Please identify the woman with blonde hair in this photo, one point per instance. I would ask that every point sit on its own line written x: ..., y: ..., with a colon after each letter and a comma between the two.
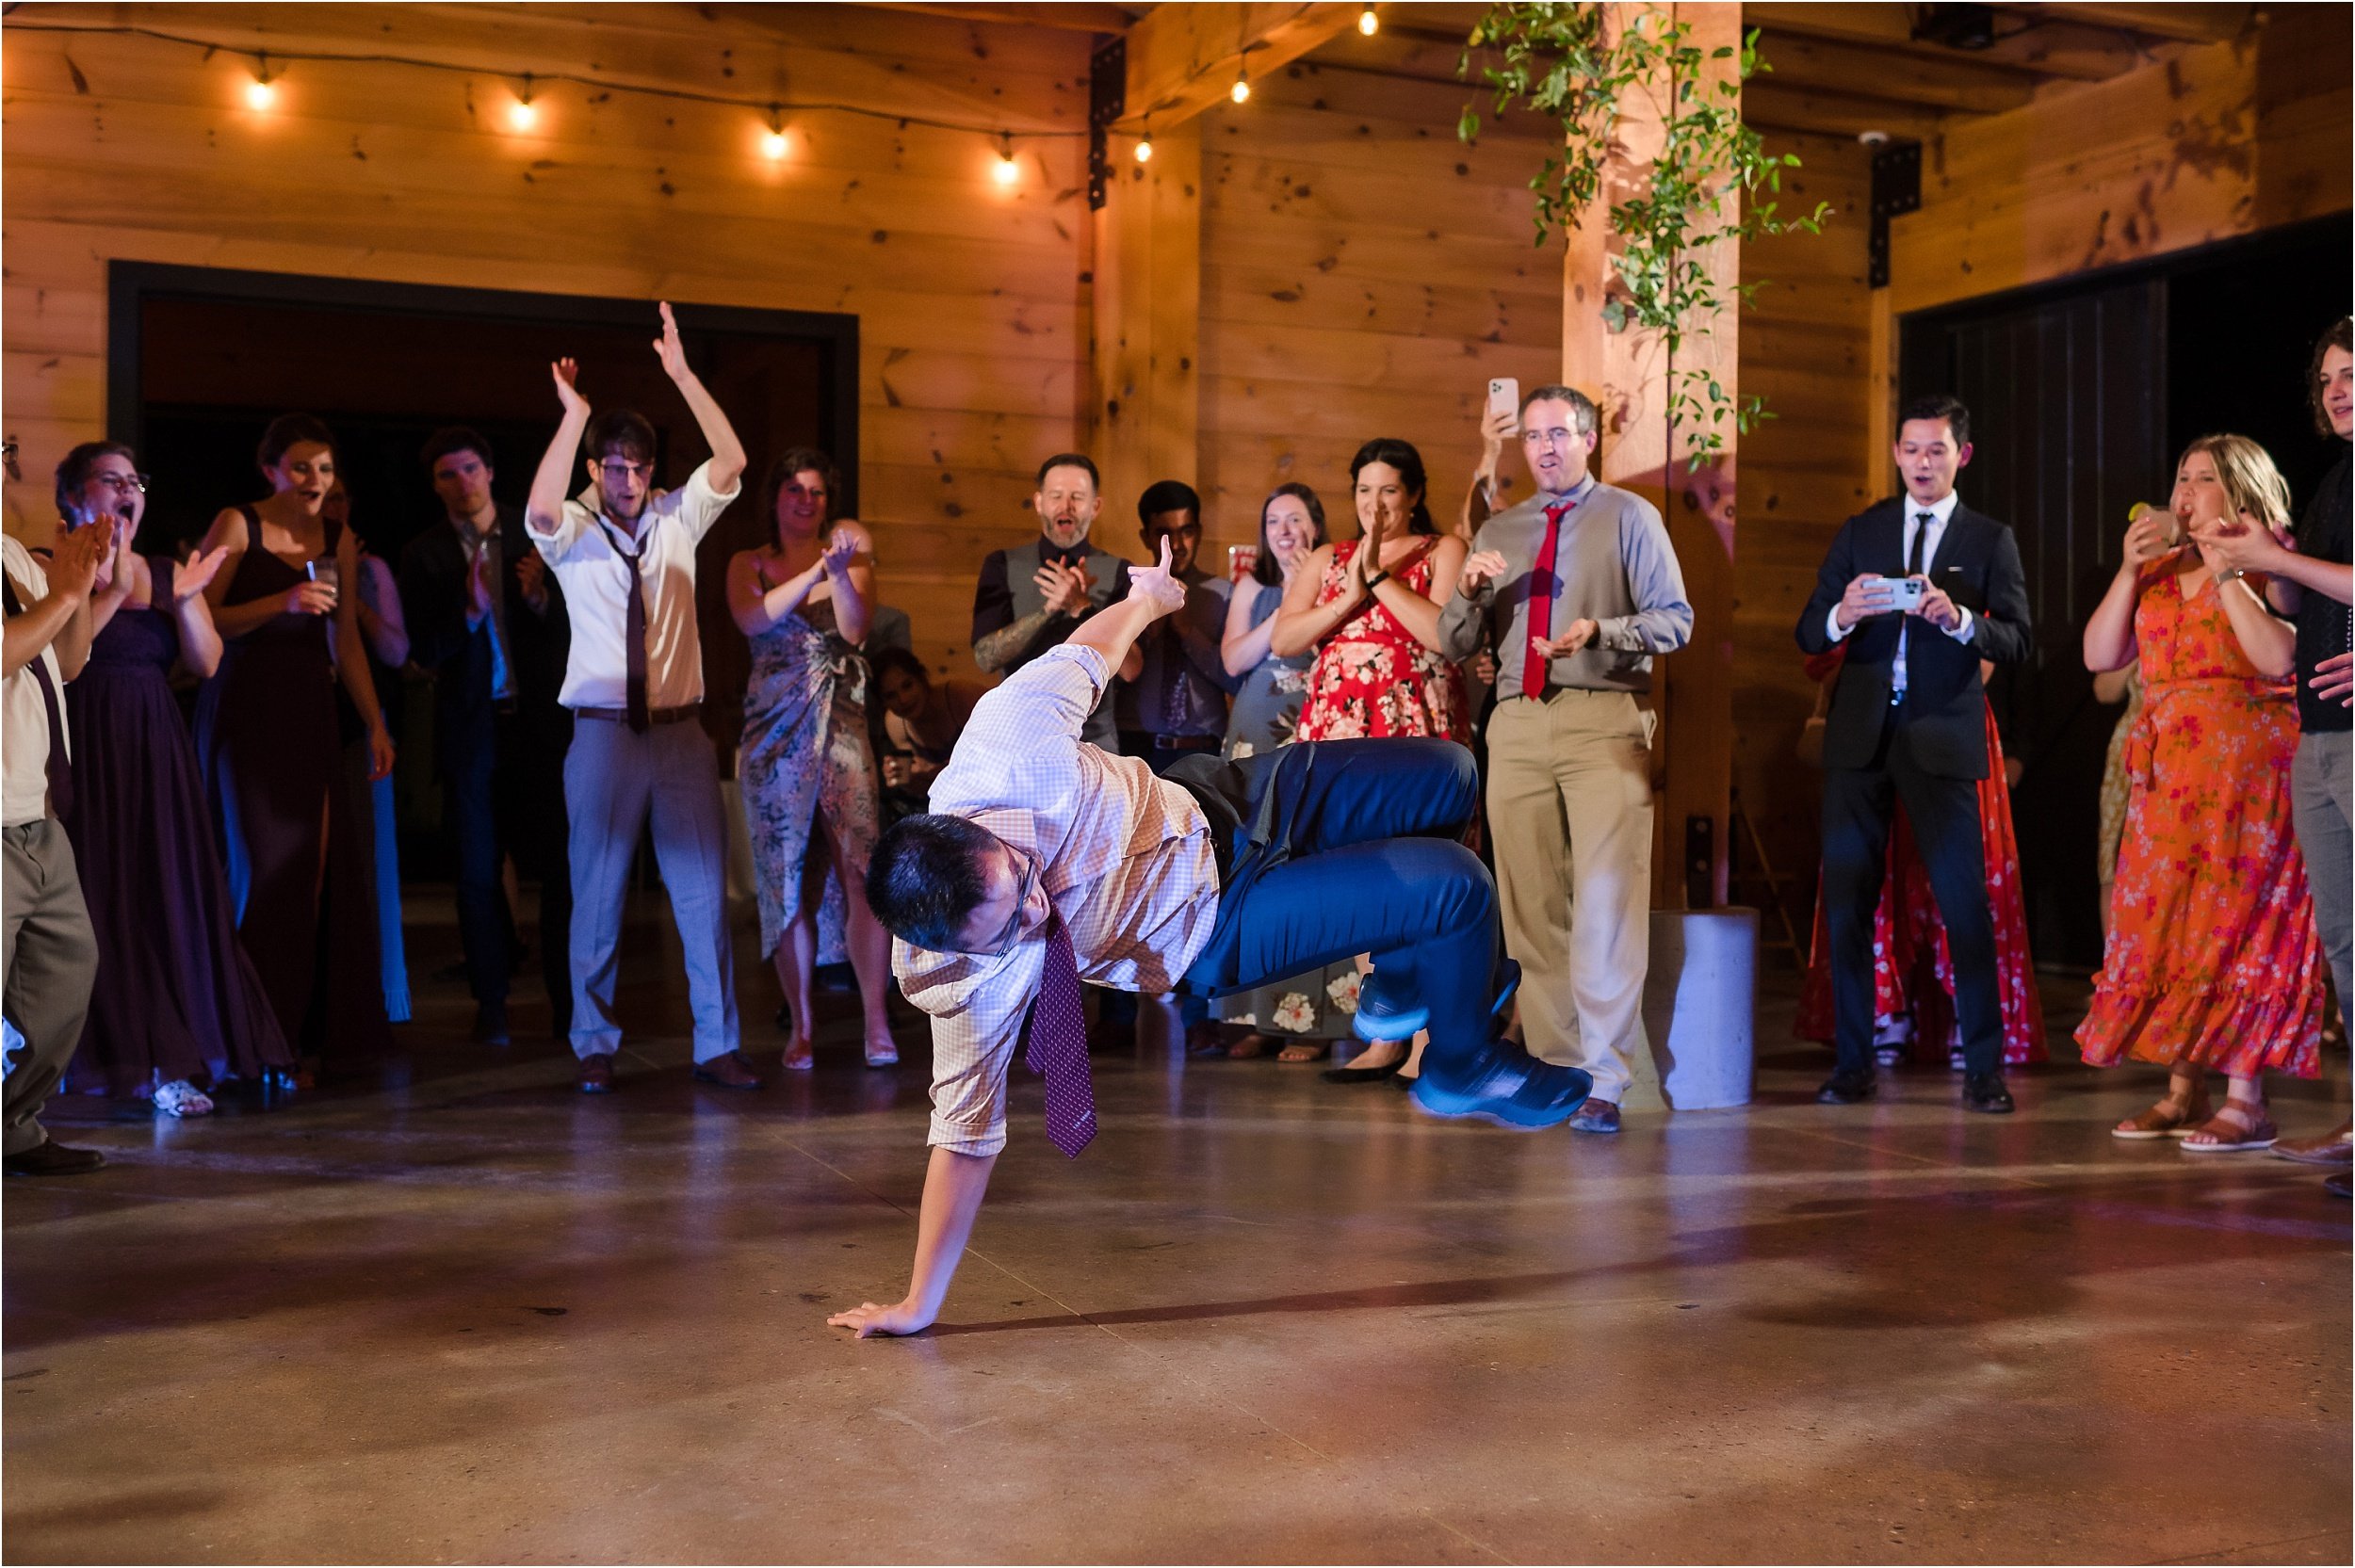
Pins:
x: 2212, y: 962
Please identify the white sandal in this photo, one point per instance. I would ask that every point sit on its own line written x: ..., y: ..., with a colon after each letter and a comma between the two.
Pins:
x: 182, y: 1098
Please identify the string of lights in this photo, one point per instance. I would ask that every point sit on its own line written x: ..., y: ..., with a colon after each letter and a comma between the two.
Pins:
x: 522, y: 115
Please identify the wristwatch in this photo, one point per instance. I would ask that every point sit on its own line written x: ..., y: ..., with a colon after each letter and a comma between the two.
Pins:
x: 2230, y: 575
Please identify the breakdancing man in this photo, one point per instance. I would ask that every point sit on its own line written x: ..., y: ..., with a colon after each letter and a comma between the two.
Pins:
x: 1045, y: 861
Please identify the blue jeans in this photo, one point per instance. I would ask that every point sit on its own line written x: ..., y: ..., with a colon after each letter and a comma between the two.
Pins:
x: 1354, y: 847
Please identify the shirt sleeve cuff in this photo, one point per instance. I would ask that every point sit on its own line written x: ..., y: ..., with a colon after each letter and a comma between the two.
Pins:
x: 1832, y: 627
x: 1613, y: 635
x: 1962, y: 628
x: 1087, y: 659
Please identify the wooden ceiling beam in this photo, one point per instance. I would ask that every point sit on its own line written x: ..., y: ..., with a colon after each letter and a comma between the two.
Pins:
x: 2025, y: 40
x: 2188, y: 23
x: 1182, y: 58
x: 1772, y: 106
x: 1955, y: 83
x: 1077, y: 18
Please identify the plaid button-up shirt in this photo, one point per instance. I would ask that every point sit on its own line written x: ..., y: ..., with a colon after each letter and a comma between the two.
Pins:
x: 1125, y: 859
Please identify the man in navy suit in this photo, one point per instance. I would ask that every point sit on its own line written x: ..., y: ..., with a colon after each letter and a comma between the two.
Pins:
x: 1908, y: 723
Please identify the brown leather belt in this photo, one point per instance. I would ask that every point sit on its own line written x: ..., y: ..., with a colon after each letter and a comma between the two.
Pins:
x: 657, y: 715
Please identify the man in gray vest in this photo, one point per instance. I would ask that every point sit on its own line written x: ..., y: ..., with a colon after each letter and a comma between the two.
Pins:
x: 1033, y: 596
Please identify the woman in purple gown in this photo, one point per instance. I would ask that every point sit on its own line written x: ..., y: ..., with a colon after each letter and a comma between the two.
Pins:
x: 178, y: 1008
x: 268, y: 739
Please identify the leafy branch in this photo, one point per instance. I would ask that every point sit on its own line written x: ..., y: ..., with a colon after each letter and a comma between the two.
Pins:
x: 1713, y: 179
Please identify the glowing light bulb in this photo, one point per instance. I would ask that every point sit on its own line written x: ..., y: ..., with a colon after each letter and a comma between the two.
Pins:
x: 1241, y: 92
x: 1368, y: 22
x: 1144, y: 149
x: 1007, y: 170
x: 773, y: 146
x: 260, y: 93
x: 522, y: 115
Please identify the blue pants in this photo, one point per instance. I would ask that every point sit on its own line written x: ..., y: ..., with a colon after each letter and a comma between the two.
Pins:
x: 1352, y: 847
x: 615, y: 783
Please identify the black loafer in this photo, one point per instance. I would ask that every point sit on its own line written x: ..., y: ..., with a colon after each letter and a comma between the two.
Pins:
x: 728, y: 1070
x: 1985, y: 1093
x: 53, y: 1159
x: 1847, y: 1087
x: 596, y: 1074
x: 490, y: 1023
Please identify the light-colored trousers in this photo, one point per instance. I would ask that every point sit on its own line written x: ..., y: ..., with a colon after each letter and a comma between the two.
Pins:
x: 614, y: 780
x: 2319, y: 805
x: 47, y: 967
x: 1569, y: 808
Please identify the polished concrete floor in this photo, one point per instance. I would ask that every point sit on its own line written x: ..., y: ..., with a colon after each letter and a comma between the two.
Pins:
x: 448, y: 1309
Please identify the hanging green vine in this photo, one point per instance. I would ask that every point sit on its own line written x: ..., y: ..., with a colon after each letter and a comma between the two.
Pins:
x: 1713, y: 180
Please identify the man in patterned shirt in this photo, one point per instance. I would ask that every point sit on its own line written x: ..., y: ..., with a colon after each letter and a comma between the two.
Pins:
x: 1045, y: 861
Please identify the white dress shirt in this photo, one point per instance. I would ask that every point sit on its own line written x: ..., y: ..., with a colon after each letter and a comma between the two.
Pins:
x: 1934, y: 517
x: 1125, y: 861
x: 588, y: 566
x: 23, y: 717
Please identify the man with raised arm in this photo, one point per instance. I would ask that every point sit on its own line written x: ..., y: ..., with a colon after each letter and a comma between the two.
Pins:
x: 1046, y: 861
x: 624, y: 553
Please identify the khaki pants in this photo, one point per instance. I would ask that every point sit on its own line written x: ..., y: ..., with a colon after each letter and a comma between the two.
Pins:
x: 47, y: 965
x: 1569, y: 806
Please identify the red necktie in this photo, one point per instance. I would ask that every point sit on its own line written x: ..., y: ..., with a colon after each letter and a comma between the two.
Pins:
x: 1543, y: 586
x: 1058, y: 1046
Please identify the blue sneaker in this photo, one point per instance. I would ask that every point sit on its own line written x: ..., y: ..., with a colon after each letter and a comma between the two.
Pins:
x: 1511, y: 1088
x: 1383, y: 1016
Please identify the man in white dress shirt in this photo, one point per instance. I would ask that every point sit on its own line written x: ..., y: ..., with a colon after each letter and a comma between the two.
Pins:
x: 624, y: 554
x: 1044, y: 860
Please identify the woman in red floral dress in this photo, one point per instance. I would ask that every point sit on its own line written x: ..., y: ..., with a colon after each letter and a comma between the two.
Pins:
x: 1909, y: 938
x: 1370, y: 607
x: 2212, y: 961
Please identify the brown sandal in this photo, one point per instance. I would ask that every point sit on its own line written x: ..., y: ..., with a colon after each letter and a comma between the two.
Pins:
x: 1305, y: 1050
x: 2239, y: 1126
x: 2159, y: 1122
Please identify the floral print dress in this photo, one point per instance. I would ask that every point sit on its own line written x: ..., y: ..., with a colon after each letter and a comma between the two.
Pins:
x: 2213, y: 959
x: 1371, y: 677
x: 804, y: 747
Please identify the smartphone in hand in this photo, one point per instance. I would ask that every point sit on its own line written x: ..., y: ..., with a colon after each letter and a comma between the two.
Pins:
x: 1504, y: 396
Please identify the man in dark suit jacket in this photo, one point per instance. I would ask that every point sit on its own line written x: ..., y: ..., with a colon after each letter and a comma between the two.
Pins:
x: 1908, y: 722
x: 486, y: 618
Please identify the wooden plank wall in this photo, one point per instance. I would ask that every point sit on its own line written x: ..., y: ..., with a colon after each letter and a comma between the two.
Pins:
x: 1363, y: 274
x: 970, y: 295
x: 1801, y: 474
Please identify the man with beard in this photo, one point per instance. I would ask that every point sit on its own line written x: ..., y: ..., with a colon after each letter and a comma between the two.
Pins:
x: 1033, y: 596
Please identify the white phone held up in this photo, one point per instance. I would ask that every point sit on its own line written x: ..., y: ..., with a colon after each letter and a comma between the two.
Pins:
x: 1504, y: 396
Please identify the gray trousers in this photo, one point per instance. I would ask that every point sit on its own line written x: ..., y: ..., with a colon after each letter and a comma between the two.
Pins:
x: 613, y: 782
x: 47, y: 965
x: 2318, y: 805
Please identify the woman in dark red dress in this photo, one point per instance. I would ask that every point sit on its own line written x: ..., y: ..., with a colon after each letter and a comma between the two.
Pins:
x: 270, y: 743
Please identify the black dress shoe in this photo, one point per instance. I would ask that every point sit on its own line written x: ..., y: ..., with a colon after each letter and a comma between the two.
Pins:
x: 1847, y: 1087
x: 596, y: 1074
x: 490, y: 1023
x: 729, y: 1070
x: 1984, y: 1092
x: 53, y: 1159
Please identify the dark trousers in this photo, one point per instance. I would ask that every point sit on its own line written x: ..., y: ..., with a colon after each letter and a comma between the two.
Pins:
x: 505, y: 777
x: 1354, y: 847
x: 1946, y: 817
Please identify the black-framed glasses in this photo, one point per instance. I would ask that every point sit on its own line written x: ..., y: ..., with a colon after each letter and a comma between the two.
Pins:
x: 625, y: 470
x: 1013, y: 928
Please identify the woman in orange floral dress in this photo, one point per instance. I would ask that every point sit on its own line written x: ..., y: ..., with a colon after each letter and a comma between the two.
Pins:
x: 1369, y: 608
x: 2212, y: 961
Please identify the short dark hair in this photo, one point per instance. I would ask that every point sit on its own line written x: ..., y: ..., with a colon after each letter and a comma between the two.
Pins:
x: 454, y: 437
x: 626, y: 429
x: 287, y: 431
x: 893, y: 657
x: 925, y: 878
x: 1264, y: 569
x: 2337, y: 338
x: 1068, y: 460
x: 74, y: 469
x: 1402, y: 456
x: 1168, y: 495
x: 1585, y: 419
x: 792, y: 461
x: 1937, y: 404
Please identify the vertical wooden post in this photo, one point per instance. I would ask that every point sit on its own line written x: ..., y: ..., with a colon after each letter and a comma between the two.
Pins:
x: 1630, y: 376
x: 1146, y: 411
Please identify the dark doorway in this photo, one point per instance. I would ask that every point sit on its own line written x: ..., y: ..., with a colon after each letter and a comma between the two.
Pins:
x: 2081, y: 395
x: 201, y: 359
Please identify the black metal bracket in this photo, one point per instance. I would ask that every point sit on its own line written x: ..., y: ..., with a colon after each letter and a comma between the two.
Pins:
x: 1896, y: 188
x: 1108, y: 99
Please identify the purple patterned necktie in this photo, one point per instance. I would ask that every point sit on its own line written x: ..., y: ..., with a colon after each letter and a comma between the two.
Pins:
x: 1058, y: 1049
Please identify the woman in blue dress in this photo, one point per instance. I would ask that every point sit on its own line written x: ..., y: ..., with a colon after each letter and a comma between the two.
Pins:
x: 804, y: 770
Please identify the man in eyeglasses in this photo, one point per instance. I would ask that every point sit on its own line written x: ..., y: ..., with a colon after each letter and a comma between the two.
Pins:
x: 623, y: 555
x: 1045, y: 861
